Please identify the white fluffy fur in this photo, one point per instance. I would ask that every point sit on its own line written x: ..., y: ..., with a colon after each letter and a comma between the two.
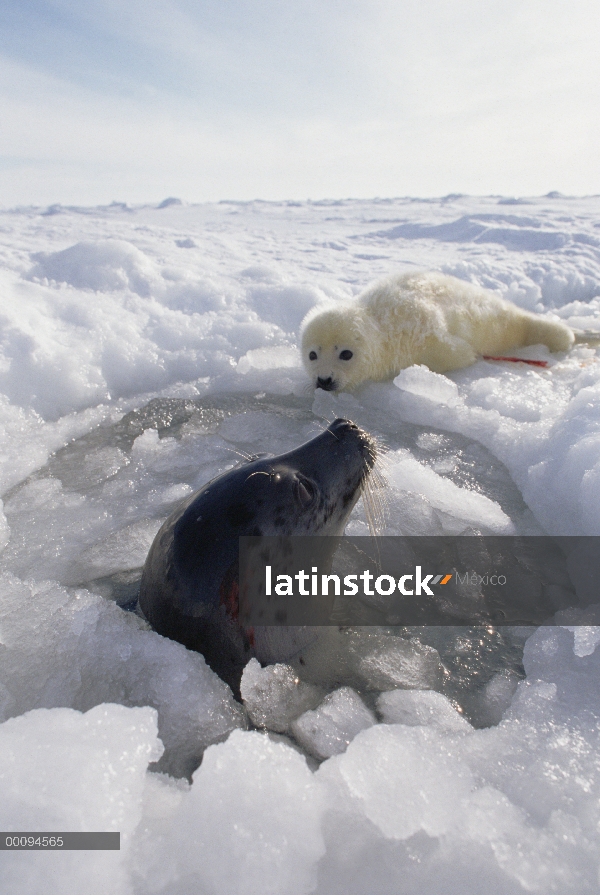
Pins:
x: 422, y: 318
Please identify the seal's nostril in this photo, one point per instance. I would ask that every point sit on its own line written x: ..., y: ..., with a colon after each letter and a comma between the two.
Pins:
x: 341, y: 423
x: 325, y: 383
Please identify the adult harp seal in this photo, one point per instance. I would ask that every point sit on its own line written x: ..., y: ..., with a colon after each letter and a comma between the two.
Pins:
x: 189, y: 588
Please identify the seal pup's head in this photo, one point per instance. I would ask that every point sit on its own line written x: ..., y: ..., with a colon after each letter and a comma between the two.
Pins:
x: 335, y: 347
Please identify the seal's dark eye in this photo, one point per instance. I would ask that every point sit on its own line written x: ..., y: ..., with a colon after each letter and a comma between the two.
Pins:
x: 304, y: 492
x: 345, y: 355
x: 312, y: 355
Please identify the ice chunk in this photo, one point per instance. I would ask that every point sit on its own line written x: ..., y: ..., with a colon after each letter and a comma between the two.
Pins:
x: 147, y: 442
x: 421, y: 708
x: 328, y: 729
x: 77, y: 649
x: 52, y: 754
x: 169, y: 495
x: 513, y: 397
x: 74, y: 773
x: 496, y: 697
x: 124, y: 549
x: 274, y: 696
x: 467, y: 507
x: 250, y: 824
x: 587, y: 638
x: 268, y: 359
x: 421, y: 381
x: 493, y: 822
x: 549, y: 656
x: 387, y: 661
x: 4, y: 529
x: 405, y: 778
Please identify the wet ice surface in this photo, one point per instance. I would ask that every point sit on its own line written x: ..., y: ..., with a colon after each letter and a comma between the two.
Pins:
x: 136, y: 470
x: 114, y: 488
x: 142, y: 352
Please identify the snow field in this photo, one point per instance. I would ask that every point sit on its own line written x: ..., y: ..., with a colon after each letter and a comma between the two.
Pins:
x: 141, y: 351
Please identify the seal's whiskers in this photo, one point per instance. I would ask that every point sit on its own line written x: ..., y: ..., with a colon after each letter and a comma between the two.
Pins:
x: 374, y: 489
x: 239, y: 453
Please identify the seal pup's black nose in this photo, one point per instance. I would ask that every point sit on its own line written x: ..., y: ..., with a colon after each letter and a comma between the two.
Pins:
x: 327, y: 384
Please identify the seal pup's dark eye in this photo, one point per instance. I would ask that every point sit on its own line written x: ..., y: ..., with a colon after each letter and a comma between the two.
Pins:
x: 304, y: 492
x: 312, y: 355
x: 345, y: 355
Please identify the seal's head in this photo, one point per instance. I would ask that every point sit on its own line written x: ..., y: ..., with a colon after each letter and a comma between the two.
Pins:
x: 189, y: 588
x: 335, y: 347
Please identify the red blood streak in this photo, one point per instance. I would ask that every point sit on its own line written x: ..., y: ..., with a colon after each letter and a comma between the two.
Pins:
x: 518, y: 360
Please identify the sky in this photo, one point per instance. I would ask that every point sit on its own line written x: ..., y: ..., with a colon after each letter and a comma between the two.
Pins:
x: 137, y: 100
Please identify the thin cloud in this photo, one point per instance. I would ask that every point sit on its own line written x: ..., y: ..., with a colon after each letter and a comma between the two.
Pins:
x: 255, y: 98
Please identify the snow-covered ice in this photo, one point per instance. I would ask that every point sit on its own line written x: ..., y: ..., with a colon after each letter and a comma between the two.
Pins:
x: 142, y: 350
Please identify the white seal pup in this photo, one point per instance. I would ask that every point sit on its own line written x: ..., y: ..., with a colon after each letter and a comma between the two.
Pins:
x: 417, y: 318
